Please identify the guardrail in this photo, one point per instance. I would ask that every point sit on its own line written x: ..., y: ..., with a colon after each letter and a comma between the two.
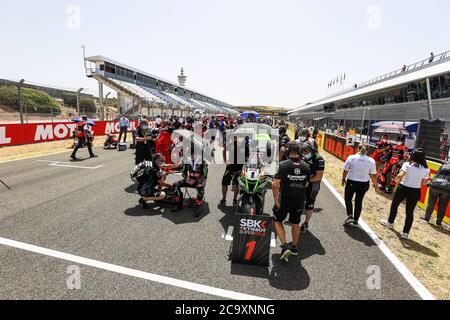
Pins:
x: 438, y: 59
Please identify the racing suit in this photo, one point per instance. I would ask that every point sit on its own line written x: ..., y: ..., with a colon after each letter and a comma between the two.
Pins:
x: 194, y: 176
x: 392, y: 166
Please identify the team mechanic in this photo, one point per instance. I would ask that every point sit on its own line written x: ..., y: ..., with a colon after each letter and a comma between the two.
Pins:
x: 283, y: 142
x: 235, y: 162
x: 84, y: 135
x: 317, y: 167
x: 194, y: 176
x: 289, y: 195
x: 151, y: 180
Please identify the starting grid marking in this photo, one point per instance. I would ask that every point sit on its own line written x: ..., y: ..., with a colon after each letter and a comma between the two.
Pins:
x: 68, y: 165
x: 129, y: 272
x: 229, y: 237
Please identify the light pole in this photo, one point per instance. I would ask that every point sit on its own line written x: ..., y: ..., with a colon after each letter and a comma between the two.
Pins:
x: 19, y: 98
x: 84, y: 57
x: 104, y: 107
x: 78, y: 100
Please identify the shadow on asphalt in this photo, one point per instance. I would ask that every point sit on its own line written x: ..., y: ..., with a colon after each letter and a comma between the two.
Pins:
x: 183, y: 216
x: 289, y: 276
x: 132, y: 188
x: 249, y: 271
x: 153, y: 210
x: 227, y: 210
x: 186, y: 215
x: 310, y: 246
x: 359, y: 235
x: 285, y: 276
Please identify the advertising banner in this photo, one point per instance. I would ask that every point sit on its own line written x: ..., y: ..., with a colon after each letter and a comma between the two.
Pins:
x: 251, y: 240
x: 19, y: 134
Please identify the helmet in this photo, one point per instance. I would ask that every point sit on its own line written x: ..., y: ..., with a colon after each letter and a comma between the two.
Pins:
x: 139, y: 172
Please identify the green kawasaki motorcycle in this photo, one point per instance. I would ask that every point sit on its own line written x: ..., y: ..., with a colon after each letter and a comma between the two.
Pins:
x: 253, y: 185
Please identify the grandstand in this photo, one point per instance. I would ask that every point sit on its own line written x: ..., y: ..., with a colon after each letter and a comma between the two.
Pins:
x: 418, y: 91
x: 143, y: 93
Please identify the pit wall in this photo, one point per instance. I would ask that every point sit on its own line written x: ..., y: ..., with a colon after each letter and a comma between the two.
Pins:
x: 338, y: 147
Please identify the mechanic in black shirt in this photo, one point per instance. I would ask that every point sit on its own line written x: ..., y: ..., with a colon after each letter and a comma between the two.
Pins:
x: 143, y: 142
x: 289, y: 194
x: 317, y: 167
x: 151, y: 181
x: 235, y: 160
x: 283, y: 142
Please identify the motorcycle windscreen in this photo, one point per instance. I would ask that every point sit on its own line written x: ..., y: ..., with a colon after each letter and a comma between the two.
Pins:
x: 251, y: 239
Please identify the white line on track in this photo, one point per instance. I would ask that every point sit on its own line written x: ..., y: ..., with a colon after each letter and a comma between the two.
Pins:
x: 129, y: 272
x: 404, y: 271
x: 68, y: 165
x: 41, y: 155
x: 37, y: 156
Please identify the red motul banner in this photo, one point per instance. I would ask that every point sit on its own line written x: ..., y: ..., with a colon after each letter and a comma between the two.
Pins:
x: 18, y: 134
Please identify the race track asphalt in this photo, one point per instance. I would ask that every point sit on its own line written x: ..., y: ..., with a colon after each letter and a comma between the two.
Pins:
x: 93, y: 213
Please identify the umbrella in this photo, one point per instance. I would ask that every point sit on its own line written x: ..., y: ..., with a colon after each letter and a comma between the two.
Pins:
x: 248, y: 114
x: 89, y: 121
x: 410, y: 126
x: 392, y: 129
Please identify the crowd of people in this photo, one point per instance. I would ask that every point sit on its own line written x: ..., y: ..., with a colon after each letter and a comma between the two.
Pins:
x: 295, y: 186
x: 297, y: 181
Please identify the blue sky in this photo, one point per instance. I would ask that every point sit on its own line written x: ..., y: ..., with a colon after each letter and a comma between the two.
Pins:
x: 280, y: 53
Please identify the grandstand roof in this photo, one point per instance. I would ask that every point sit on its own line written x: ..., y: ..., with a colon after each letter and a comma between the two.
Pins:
x: 100, y: 58
x: 429, y: 70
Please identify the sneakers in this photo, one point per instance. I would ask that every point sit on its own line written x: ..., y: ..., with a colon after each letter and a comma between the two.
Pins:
x: 143, y: 204
x: 353, y: 224
x: 423, y: 220
x: 285, y: 252
x: 405, y: 236
x: 386, y: 224
x: 222, y: 204
x: 94, y: 156
x: 350, y: 222
x: 293, y: 249
x: 304, y: 227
